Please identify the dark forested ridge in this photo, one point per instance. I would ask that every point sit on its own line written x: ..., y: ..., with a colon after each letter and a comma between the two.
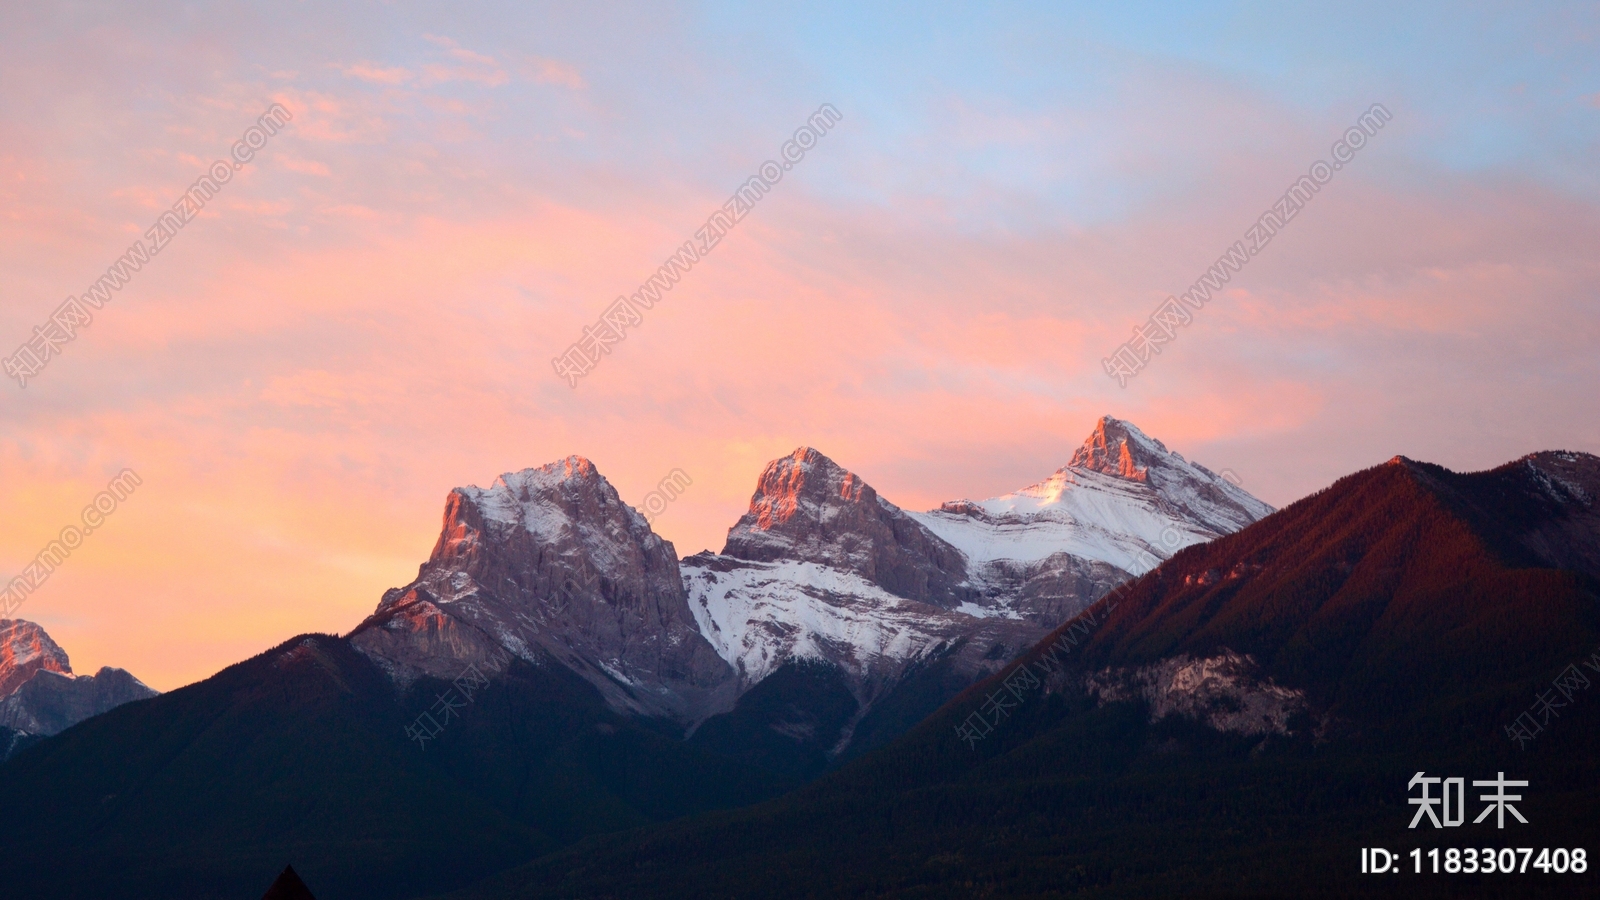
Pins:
x: 301, y: 755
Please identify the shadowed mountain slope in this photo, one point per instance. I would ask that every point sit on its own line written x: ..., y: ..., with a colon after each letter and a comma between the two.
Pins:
x: 302, y: 753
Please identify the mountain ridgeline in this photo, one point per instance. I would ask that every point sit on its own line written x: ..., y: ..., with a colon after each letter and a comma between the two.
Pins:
x: 40, y: 695
x: 1204, y: 695
x: 555, y: 672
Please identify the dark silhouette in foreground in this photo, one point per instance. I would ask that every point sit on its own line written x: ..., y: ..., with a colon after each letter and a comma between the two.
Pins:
x: 288, y: 887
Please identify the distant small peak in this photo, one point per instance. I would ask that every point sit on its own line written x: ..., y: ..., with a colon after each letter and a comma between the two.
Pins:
x: 25, y: 649
x: 1399, y: 461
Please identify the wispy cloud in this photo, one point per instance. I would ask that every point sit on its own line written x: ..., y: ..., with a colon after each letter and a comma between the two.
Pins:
x: 303, y: 166
x: 552, y: 71
x: 473, y: 67
x: 376, y: 74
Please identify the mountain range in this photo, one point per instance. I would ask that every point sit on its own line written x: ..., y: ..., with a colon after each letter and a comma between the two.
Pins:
x: 832, y: 619
x: 1129, y: 678
x: 1241, y: 721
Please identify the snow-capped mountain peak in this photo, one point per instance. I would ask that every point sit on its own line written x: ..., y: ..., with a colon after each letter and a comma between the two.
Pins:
x: 566, y: 502
x: 1191, y: 492
x: 550, y: 566
x: 520, y: 497
x: 823, y: 570
x: 1121, y: 505
x: 539, y: 500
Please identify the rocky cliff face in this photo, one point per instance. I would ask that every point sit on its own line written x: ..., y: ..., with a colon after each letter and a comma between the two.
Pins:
x: 550, y: 565
x: 1226, y: 692
x: 51, y: 702
x: 808, y: 509
x: 25, y: 650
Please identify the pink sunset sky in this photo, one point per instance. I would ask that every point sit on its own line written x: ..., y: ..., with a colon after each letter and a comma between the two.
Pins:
x: 365, y: 316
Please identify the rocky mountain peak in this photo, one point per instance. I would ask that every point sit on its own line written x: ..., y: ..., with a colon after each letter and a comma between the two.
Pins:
x: 807, y: 508
x: 1192, y: 491
x: 543, y: 501
x: 1566, y: 476
x: 25, y: 649
x: 1118, y: 448
x: 805, y: 479
x: 38, y: 692
x: 549, y: 562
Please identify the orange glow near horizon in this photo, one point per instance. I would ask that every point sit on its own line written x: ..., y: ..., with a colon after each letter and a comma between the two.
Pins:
x: 365, y: 316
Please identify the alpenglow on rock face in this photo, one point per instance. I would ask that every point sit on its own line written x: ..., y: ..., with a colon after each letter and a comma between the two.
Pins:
x: 24, y: 650
x: 549, y: 565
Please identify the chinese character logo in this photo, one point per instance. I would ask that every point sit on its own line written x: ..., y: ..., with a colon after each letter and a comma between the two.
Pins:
x: 1448, y: 808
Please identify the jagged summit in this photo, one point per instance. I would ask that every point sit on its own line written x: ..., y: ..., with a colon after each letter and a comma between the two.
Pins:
x: 801, y: 478
x: 1118, y: 448
x: 822, y: 569
x: 25, y: 649
x: 808, y: 508
x: 568, y: 497
x: 514, y: 495
x: 549, y: 565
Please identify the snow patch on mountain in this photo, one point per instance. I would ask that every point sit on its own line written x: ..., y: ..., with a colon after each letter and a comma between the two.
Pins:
x: 1123, y: 501
x: 1083, y: 513
x: 759, y: 616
